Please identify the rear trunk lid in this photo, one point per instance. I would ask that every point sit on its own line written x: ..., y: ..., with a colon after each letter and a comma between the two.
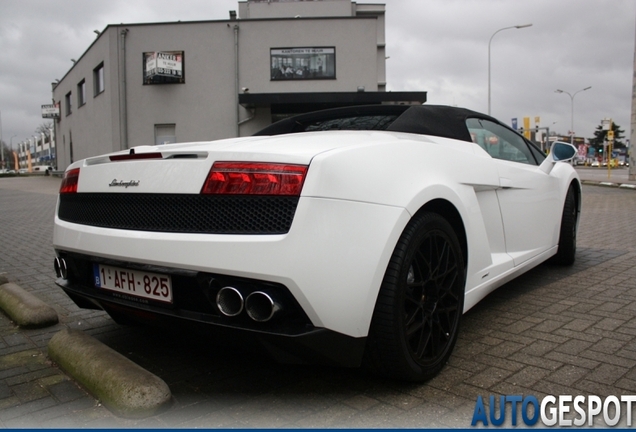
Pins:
x: 183, y: 168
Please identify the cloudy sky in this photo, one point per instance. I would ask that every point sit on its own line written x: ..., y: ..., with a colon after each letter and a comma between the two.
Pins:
x: 437, y: 46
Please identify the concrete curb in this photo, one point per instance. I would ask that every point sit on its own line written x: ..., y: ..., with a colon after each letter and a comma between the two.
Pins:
x: 121, y: 385
x: 24, y: 308
x: 608, y: 184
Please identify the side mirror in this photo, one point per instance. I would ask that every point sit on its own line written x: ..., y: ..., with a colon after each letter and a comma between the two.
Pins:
x: 562, y: 151
x: 559, y: 152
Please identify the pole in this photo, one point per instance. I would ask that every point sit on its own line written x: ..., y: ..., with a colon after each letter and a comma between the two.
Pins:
x: 1, y: 147
x: 51, y: 141
x: 123, y: 103
x: 572, y: 109
x: 489, y: 42
x: 609, y: 150
x: 236, y: 79
x: 632, y: 136
x: 572, y: 119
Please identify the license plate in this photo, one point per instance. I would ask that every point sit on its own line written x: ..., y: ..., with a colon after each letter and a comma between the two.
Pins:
x: 135, y: 283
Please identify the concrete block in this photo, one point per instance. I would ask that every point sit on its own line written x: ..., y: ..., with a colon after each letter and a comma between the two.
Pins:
x: 124, y: 387
x: 24, y: 308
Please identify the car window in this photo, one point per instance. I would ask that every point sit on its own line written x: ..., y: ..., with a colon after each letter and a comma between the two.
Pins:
x: 367, y: 122
x: 538, y: 154
x: 500, y: 142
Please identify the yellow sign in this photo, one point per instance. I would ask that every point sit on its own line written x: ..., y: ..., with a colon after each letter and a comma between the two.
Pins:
x: 526, y: 127
x: 610, y: 135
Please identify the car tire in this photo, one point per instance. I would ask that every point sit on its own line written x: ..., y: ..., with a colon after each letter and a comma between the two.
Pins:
x: 417, y: 314
x: 567, y: 235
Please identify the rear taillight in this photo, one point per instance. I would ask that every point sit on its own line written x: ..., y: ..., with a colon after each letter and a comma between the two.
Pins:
x: 250, y: 178
x: 69, y: 182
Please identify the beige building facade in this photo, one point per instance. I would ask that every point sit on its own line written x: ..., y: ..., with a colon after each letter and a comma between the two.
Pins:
x: 149, y: 84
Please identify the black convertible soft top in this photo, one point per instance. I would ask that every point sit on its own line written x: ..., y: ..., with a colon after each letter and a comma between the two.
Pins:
x: 437, y: 120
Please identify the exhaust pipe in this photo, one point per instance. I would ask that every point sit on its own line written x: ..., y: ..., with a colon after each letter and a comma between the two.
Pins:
x: 261, y: 307
x: 59, y: 264
x: 229, y: 301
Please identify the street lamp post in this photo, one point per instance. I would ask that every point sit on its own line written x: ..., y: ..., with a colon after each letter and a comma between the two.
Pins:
x: 1, y: 147
x: 35, y: 148
x: 572, y: 107
x: 489, y: 42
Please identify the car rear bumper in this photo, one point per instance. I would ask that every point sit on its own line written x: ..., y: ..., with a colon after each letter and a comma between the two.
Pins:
x: 331, y: 261
x: 300, y: 344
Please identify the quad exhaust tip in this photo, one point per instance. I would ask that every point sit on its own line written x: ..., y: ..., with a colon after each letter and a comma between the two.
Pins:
x: 229, y: 300
x: 261, y: 307
x: 61, y: 270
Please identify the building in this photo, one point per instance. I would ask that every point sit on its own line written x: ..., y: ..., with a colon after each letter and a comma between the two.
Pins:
x: 148, y: 84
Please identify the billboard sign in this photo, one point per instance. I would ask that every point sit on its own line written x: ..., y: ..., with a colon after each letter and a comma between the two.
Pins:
x: 51, y: 111
x: 163, y: 67
x: 302, y: 63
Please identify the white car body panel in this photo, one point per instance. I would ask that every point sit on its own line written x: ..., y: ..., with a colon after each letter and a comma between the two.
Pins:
x: 529, y: 202
x: 333, y: 260
x: 350, y: 264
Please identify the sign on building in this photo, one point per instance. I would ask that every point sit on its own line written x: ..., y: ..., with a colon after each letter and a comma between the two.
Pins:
x: 303, y: 63
x: 164, y: 67
x: 51, y: 111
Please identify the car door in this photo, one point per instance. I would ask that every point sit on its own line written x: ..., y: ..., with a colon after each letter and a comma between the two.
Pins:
x: 528, y: 198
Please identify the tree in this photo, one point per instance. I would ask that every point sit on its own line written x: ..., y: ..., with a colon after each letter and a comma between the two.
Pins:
x: 44, y: 128
x: 600, y: 136
x: 8, y: 156
x: 4, y: 151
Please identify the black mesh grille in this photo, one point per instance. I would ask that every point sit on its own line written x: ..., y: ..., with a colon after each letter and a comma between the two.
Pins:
x: 210, y: 214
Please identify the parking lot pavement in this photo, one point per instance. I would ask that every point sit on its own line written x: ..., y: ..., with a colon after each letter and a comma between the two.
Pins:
x: 553, y: 331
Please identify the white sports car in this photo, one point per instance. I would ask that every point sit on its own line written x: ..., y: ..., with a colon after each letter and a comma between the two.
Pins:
x: 348, y: 236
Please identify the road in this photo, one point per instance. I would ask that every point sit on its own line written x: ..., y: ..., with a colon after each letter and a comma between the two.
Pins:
x: 616, y: 175
x: 553, y: 331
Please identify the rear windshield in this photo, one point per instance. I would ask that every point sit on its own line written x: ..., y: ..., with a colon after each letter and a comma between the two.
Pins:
x: 370, y: 122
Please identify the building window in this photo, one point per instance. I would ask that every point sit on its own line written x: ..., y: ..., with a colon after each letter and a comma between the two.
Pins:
x: 81, y: 93
x: 69, y: 103
x: 165, y: 134
x: 98, y: 79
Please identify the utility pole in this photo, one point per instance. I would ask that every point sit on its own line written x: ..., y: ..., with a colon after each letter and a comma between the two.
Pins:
x: 610, y: 142
x: 632, y: 136
x: 1, y: 146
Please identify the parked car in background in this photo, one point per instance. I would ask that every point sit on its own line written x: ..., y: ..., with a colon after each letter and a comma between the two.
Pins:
x: 42, y: 169
x: 346, y: 237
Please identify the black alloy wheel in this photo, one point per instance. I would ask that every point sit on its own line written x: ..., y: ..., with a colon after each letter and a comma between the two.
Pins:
x: 420, y: 304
